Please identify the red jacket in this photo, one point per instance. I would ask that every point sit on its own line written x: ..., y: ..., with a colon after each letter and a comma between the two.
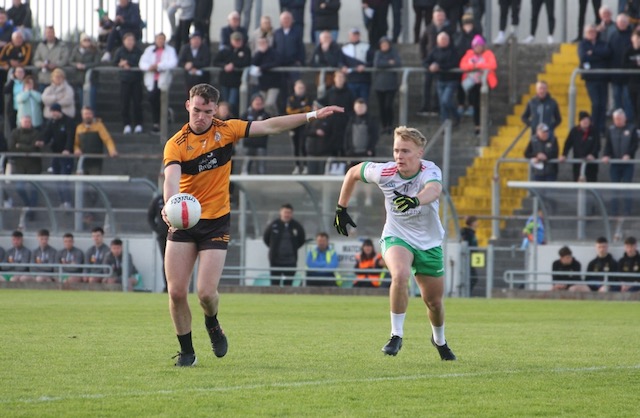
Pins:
x: 487, y: 61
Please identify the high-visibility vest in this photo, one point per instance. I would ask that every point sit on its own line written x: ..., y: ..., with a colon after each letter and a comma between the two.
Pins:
x: 369, y: 264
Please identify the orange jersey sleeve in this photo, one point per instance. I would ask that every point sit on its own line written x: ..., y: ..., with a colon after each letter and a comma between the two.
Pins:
x: 205, y: 162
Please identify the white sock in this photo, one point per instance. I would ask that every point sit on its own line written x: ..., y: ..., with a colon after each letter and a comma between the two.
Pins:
x: 397, y: 324
x: 438, y: 335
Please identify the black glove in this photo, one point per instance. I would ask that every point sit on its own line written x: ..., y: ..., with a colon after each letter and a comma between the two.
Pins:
x: 342, y: 220
x: 404, y: 203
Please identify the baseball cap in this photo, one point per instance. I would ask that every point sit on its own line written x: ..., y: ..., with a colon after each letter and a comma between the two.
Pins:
x: 197, y: 33
x: 55, y: 107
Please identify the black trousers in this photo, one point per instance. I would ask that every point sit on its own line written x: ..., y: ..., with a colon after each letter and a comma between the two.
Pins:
x: 280, y: 273
x: 536, y: 6
x: 154, y: 101
x: 505, y: 5
x: 583, y: 12
x: 131, y: 93
x: 385, y: 104
x: 422, y: 14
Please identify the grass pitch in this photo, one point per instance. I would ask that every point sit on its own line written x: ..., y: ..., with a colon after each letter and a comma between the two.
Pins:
x: 109, y: 354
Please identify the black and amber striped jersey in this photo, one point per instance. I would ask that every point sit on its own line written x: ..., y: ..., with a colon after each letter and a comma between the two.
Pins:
x: 205, y: 162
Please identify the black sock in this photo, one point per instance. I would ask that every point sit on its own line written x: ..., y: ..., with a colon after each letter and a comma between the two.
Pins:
x: 186, y: 345
x: 211, y: 321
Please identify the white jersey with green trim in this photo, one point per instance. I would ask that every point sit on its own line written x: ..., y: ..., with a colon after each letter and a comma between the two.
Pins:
x: 419, y: 227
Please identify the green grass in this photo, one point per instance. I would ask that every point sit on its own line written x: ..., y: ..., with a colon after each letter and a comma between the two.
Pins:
x: 109, y: 354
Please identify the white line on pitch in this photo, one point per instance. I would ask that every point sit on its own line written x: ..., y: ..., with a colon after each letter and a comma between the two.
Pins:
x: 43, y: 399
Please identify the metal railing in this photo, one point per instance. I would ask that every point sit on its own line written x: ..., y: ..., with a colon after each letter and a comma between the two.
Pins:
x: 509, y: 277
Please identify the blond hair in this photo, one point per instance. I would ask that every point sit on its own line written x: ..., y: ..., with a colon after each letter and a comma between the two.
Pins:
x: 410, y: 134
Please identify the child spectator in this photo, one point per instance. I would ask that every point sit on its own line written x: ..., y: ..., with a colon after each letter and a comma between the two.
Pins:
x: 528, y: 231
x: 299, y: 102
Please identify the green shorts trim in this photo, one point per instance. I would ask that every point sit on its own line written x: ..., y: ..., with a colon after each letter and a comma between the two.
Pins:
x: 425, y: 262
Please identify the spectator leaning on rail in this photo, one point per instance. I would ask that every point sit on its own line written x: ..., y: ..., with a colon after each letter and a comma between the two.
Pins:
x: 603, y: 263
x: 584, y: 140
x: 91, y: 138
x: 621, y: 143
x: 594, y: 54
x: 84, y: 57
x: 543, y: 147
x: 50, y: 54
x: 542, y: 108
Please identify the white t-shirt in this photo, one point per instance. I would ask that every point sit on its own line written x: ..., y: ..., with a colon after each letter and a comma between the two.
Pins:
x: 419, y: 227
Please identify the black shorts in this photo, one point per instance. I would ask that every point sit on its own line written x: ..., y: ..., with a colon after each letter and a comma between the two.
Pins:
x: 208, y: 234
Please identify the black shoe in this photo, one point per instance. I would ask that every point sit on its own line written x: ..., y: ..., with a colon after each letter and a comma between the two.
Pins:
x: 185, y: 360
x: 218, y: 341
x: 444, y: 350
x: 393, y: 346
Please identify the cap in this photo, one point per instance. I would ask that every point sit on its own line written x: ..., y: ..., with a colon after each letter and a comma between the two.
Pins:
x: 478, y: 40
x: 236, y: 36
x: 383, y: 39
x: 55, y: 107
x: 195, y: 33
x: 467, y: 18
x: 542, y: 127
x: 583, y: 115
x: 355, y: 30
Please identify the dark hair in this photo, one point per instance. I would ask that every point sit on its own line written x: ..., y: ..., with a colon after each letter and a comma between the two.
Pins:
x: 564, y: 251
x: 286, y: 206
x: 601, y: 240
x: 98, y: 229
x: 630, y: 241
x: 43, y: 233
x: 68, y: 235
x: 116, y: 241
x: 128, y: 35
x: 363, y: 255
x: 469, y: 220
x: 17, y: 234
x: 206, y: 91
x: 322, y: 234
x: 360, y: 100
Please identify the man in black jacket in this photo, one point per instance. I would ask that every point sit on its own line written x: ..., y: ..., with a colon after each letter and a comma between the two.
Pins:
x: 542, y: 108
x: 439, y: 62
x: 59, y: 134
x: 284, y: 236
x: 127, y: 58
x: 232, y: 60
x: 585, y: 142
x: 193, y: 57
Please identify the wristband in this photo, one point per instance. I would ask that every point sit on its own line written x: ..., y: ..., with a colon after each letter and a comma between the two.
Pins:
x: 312, y: 116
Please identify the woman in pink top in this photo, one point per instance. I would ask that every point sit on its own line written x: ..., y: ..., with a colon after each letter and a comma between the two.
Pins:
x: 474, y: 61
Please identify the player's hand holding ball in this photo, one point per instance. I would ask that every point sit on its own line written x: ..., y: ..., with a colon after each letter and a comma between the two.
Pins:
x: 182, y: 211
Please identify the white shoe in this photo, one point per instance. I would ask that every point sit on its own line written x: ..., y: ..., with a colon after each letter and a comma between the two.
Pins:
x: 106, y: 57
x: 8, y: 203
x: 137, y: 129
x: 529, y: 39
x: 305, y: 170
x: 127, y: 130
x: 550, y: 39
x: 296, y: 171
x: 65, y: 205
x: 500, y: 39
x: 514, y: 30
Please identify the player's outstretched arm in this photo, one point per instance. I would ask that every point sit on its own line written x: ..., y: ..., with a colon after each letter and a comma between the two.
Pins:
x: 342, y: 218
x: 279, y: 124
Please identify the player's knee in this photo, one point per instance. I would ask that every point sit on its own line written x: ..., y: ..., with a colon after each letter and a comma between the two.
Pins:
x: 400, y: 277
x: 207, y: 298
x: 434, y: 304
